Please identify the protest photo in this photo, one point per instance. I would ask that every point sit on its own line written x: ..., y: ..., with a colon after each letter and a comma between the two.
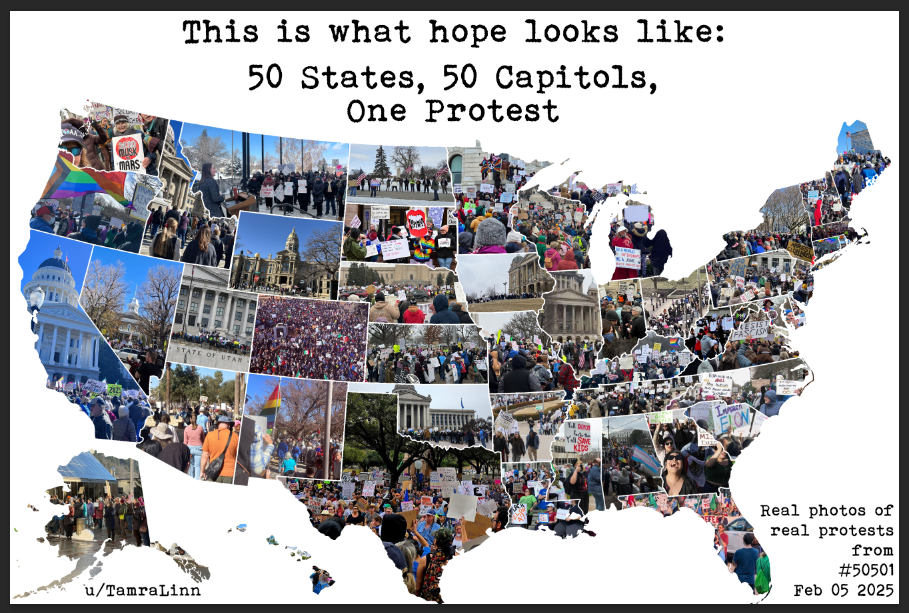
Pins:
x: 525, y: 424
x: 393, y: 234
x: 648, y: 396
x: 402, y: 175
x: 220, y: 173
x: 131, y: 300
x: 188, y: 405
x: 106, y: 208
x: 461, y: 420
x: 756, y: 277
x: 673, y: 308
x: 637, y: 255
x: 292, y: 428
x: 505, y: 283
x: 213, y: 325
x: 630, y: 463
x: 402, y: 293
x: 858, y: 165
x: 184, y: 237
x: 577, y: 190
x: 99, y: 508
x: 531, y: 483
x: 785, y: 223
x: 740, y: 340
x: 577, y: 462
x: 495, y: 177
x: 72, y: 351
x: 309, y: 339
x: 531, y: 223
x: 522, y: 357
x: 305, y: 266
x: 821, y: 201
x: 426, y: 354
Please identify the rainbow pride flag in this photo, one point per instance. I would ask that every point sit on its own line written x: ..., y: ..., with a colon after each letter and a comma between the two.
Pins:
x: 270, y: 410
x: 675, y: 342
x: 68, y: 181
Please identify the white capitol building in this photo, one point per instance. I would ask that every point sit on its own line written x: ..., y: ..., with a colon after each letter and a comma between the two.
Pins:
x: 68, y: 342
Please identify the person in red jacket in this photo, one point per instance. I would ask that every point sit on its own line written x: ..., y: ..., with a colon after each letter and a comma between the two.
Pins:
x: 567, y: 262
x: 413, y: 315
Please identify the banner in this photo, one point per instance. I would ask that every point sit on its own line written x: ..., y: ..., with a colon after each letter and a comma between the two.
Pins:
x: 800, y: 251
x: 750, y: 329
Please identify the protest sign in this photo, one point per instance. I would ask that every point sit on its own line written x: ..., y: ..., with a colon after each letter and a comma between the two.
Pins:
x: 94, y: 386
x: 627, y: 258
x: 660, y: 417
x: 787, y: 388
x: 392, y: 250
x: 705, y: 439
x: 369, y: 488
x: 456, y: 188
x: 800, y: 251
x: 116, y: 222
x: 380, y: 212
x: 347, y: 489
x: 750, y: 329
x: 470, y: 191
x: 506, y: 198
x: 506, y: 423
x: 684, y: 359
x: 267, y: 191
x: 728, y: 323
x: 486, y: 188
x: 487, y: 508
x: 462, y: 506
x: 757, y: 420
x: 716, y: 385
x: 407, y: 505
x: 142, y: 196
x: 561, y: 513
x: 637, y: 213
x: 735, y: 415
x: 748, y: 296
x: 518, y: 515
x: 114, y: 389
x: 128, y: 153
x: 416, y: 223
x: 478, y: 526
x: 577, y: 435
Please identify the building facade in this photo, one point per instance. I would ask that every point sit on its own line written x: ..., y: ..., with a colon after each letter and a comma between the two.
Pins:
x: 464, y: 163
x: 414, y: 412
x: 68, y: 341
x: 526, y: 275
x: 285, y: 271
x: 207, y: 304
x: 569, y: 312
x: 405, y: 274
x: 177, y: 176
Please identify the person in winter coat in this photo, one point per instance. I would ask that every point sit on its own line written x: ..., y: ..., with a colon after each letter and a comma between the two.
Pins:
x: 660, y: 250
x: 500, y: 445
x: 44, y: 220
x: 595, y: 484
x: 89, y: 142
x: 857, y: 183
x: 166, y: 243
x: 200, y: 250
x: 353, y: 249
x: 318, y: 195
x: 150, y: 144
x: 465, y: 242
x: 413, y: 315
x: 621, y: 239
x: 770, y: 405
x: 384, y: 308
x: 132, y: 238
x: 211, y: 192
x: 463, y: 316
x: 490, y: 237
x: 567, y: 262
x: 89, y: 231
x: 552, y: 257
x: 216, y: 243
x: 443, y: 315
x: 110, y: 519
x: 520, y: 380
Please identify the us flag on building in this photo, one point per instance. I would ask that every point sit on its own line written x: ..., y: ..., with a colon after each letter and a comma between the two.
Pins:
x: 361, y: 177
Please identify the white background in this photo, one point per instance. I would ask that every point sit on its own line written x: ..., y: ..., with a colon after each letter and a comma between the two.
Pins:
x: 729, y: 123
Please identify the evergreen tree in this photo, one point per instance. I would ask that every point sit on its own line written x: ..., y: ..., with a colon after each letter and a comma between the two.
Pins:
x: 450, y: 280
x: 439, y: 279
x: 355, y: 274
x: 380, y: 169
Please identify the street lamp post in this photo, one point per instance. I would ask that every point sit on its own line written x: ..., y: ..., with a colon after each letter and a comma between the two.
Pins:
x: 35, y: 300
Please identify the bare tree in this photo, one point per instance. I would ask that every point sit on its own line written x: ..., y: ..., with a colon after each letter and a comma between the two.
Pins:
x: 158, y: 298
x: 387, y: 334
x: 432, y: 335
x: 104, y: 294
x: 404, y: 157
x: 525, y: 325
x: 206, y: 149
x: 323, y: 250
x: 784, y: 210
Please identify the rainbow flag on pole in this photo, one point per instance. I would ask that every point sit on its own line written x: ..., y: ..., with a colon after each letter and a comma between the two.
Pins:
x: 270, y: 410
x: 68, y: 181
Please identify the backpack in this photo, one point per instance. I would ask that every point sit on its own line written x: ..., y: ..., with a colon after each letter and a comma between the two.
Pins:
x: 548, y: 263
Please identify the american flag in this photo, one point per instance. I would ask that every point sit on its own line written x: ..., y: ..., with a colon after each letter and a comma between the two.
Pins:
x: 441, y: 172
x: 408, y: 169
x: 361, y: 177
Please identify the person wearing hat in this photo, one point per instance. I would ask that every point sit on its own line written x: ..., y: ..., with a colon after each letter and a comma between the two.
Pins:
x: 384, y: 308
x: 489, y: 237
x: 150, y: 143
x: 43, y: 220
x: 218, y: 442
x: 88, y: 233
x: 100, y: 419
x: 72, y: 140
x: 621, y: 239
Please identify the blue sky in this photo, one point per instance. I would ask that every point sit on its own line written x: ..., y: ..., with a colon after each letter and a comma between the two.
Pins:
x: 191, y: 131
x: 842, y: 143
x: 41, y: 246
x: 260, y: 385
x: 137, y: 267
x: 364, y: 156
x: 266, y: 234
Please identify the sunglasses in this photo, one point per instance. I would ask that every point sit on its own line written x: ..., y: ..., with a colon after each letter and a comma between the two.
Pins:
x: 674, y: 457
